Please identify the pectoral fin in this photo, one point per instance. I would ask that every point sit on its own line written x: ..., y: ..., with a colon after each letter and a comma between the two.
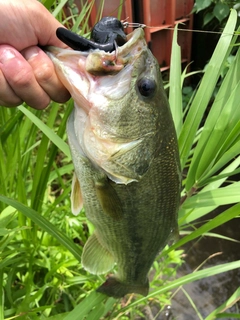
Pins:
x: 109, y: 200
x: 95, y: 258
x: 76, y: 196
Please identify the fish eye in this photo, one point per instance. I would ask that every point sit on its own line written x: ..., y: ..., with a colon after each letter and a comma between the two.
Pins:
x: 146, y: 87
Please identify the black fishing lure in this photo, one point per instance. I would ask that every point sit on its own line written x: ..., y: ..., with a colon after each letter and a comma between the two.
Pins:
x: 105, y: 35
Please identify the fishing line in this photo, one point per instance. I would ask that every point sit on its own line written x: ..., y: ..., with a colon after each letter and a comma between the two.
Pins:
x: 141, y: 25
x: 198, y: 31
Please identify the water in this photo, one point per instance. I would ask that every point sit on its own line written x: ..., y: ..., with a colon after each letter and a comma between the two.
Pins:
x: 209, y: 293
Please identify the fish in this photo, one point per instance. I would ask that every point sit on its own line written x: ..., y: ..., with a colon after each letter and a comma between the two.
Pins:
x: 126, y: 160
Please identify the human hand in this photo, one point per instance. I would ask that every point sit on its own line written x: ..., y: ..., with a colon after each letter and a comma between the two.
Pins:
x: 26, y: 72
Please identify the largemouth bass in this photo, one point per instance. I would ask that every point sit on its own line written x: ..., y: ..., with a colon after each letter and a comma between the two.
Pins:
x: 125, y: 154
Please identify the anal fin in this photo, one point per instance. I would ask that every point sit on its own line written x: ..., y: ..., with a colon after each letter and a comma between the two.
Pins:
x: 95, y: 258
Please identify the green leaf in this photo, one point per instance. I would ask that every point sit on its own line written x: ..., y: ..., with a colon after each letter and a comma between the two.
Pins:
x: 59, y: 316
x: 207, y: 18
x: 2, y: 296
x: 226, y: 315
x: 221, y: 11
x: 192, y: 303
x: 219, y: 220
x: 217, y: 197
x: 45, y: 225
x: 226, y: 305
x: 212, y: 235
x: 42, y: 168
x: 89, y: 305
x: 220, y: 131
x: 10, y: 261
x: 8, y: 126
x: 189, y: 215
x: 83, y: 18
x: 202, y: 4
x: 59, y: 7
x: 203, y: 96
x: 97, y: 312
x: 47, y: 131
x: 48, y: 3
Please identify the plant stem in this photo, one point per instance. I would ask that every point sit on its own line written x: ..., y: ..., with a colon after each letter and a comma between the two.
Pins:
x: 1, y: 296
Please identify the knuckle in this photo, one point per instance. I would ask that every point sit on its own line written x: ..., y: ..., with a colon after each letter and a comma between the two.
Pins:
x: 8, y: 98
x: 44, y: 73
x: 23, y: 78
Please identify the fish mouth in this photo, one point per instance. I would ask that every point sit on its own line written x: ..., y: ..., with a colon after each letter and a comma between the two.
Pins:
x: 100, y: 62
x: 81, y: 72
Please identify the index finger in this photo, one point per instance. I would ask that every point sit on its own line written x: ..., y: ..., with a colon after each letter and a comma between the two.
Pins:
x: 19, y: 75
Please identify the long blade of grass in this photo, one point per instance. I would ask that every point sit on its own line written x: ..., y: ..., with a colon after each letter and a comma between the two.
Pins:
x: 217, y: 197
x: 189, y: 215
x: 40, y: 171
x: 3, y: 171
x: 48, y: 3
x: 7, y: 126
x: 41, y: 187
x: 96, y: 313
x: 47, y: 131
x: 1, y: 296
x: 228, y: 316
x: 227, y: 157
x: 205, y: 90
x: 45, y: 225
x: 192, y: 303
x: 87, y: 305
x: 59, y: 7
x: 59, y: 316
x: 226, y: 305
x: 175, y: 92
x: 212, y: 235
x: 220, y: 219
x: 83, y: 16
x: 221, y: 128
x: 120, y: 9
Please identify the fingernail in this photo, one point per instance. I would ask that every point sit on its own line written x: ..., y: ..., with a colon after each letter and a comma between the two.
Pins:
x: 6, y: 55
x: 30, y: 53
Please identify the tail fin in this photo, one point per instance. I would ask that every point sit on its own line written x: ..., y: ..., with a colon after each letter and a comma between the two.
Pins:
x: 117, y: 289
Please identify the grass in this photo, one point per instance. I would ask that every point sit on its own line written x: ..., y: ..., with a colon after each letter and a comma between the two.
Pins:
x: 41, y: 241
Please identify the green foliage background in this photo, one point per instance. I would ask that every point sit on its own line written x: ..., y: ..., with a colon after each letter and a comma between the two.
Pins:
x: 215, y: 11
x: 41, y: 242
